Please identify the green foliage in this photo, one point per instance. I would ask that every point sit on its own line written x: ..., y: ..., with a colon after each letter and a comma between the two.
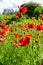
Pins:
x: 1, y: 20
x: 37, y: 11
x: 42, y: 10
x: 31, y: 7
x: 34, y: 9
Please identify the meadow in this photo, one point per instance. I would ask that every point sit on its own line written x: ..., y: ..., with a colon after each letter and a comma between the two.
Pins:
x: 21, y: 40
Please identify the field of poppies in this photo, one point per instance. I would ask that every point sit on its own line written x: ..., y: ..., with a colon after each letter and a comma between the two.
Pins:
x: 21, y: 39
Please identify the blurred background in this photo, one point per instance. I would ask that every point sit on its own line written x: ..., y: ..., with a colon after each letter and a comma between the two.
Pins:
x: 13, y: 4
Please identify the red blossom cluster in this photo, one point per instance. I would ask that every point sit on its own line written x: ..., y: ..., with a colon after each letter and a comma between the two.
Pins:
x: 23, y: 10
x: 25, y: 41
x: 4, y: 30
x: 26, y: 27
x: 37, y: 27
x: 18, y: 15
x: 31, y: 25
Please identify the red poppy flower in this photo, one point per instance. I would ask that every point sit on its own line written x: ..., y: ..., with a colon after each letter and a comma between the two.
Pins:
x: 31, y: 25
x: 5, y: 28
x: 18, y: 15
x: 17, y: 35
x: 2, y: 25
x: 28, y: 25
x: 39, y: 27
x: 23, y: 9
x: 24, y: 41
x: 4, y: 33
x: 41, y: 18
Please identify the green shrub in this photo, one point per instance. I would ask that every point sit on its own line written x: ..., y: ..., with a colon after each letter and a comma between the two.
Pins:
x: 31, y: 7
x: 34, y: 9
x: 37, y: 11
x: 42, y: 10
